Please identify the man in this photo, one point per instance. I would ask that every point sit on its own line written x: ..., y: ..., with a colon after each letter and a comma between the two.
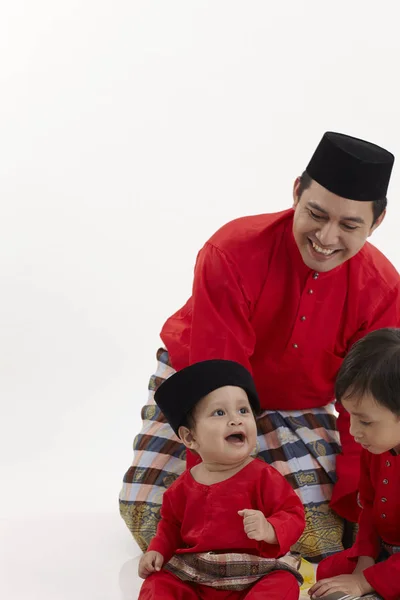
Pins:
x: 286, y: 295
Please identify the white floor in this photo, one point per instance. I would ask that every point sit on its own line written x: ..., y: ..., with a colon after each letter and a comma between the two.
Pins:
x: 74, y: 557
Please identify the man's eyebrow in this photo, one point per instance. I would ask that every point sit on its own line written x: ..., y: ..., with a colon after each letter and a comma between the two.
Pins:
x: 316, y: 206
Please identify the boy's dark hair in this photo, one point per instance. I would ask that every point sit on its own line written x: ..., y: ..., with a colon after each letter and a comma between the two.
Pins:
x: 378, y: 206
x: 373, y: 366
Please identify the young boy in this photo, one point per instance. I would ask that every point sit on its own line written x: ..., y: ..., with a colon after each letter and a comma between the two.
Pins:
x: 224, y: 522
x: 368, y: 386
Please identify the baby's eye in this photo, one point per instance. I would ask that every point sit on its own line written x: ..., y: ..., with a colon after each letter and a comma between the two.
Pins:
x: 218, y: 413
x: 365, y: 422
x: 243, y: 410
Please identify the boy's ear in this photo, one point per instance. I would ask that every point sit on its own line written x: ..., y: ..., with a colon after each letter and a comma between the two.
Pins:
x: 187, y: 437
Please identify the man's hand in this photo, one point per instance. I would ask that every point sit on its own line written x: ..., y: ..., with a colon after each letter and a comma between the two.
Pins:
x: 354, y: 584
x: 257, y: 527
x: 149, y: 563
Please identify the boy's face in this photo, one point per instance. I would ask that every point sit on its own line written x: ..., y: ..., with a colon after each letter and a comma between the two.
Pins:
x: 372, y: 425
x: 225, y: 430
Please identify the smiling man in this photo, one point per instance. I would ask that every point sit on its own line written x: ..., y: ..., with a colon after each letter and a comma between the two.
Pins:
x: 286, y: 295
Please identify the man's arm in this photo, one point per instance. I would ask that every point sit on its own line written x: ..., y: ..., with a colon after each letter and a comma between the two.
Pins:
x: 221, y: 325
x: 220, y: 309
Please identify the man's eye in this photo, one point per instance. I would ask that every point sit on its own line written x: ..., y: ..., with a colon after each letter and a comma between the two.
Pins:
x: 349, y: 227
x: 365, y: 422
x: 315, y: 216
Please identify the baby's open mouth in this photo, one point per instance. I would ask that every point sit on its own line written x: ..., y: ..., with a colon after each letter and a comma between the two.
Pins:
x: 236, y: 438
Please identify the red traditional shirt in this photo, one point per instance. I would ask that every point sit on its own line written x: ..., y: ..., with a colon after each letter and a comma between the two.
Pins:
x: 380, y: 519
x: 204, y: 518
x: 255, y: 301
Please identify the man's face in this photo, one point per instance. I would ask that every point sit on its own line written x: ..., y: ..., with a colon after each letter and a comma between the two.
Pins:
x: 328, y: 229
x: 372, y: 425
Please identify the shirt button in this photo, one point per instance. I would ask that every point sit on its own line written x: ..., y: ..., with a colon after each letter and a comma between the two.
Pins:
x: 383, y: 499
x: 295, y: 346
x: 383, y: 516
x: 316, y: 275
x: 303, y: 318
x: 310, y: 291
x: 388, y: 463
x: 385, y: 481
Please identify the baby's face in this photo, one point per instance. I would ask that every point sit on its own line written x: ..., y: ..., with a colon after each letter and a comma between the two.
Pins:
x: 225, y: 430
x: 372, y: 425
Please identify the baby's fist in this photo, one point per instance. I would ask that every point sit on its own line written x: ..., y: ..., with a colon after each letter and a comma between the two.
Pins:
x: 149, y: 563
x: 257, y: 527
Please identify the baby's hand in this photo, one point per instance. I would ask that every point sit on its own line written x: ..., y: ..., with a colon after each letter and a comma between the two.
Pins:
x: 257, y: 527
x: 149, y: 563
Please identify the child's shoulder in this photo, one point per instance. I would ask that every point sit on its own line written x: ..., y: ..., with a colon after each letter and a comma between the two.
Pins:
x: 179, y: 484
x: 258, y: 464
x: 259, y: 476
x: 262, y: 469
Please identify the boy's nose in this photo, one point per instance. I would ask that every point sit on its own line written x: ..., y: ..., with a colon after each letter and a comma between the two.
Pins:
x: 354, y: 430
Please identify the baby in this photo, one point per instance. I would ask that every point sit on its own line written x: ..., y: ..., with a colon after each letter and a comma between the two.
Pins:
x: 231, y: 515
x: 368, y: 386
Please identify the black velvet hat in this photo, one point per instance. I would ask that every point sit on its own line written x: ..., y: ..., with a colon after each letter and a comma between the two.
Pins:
x: 351, y: 168
x: 178, y: 394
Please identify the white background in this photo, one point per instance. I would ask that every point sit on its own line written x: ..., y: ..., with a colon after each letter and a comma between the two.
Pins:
x: 129, y: 132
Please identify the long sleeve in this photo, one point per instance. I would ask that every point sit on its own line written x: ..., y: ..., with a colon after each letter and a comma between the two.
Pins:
x: 220, y: 315
x: 286, y: 514
x: 368, y: 539
x: 385, y: 314
x: 384, y: 577
x: 168, y: 536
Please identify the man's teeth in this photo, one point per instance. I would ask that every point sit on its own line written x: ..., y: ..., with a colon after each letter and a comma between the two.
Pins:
x: 322, y: 250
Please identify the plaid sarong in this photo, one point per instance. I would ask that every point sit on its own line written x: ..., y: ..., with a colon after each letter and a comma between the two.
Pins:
x: 302, y: 445
x: 230, y: 570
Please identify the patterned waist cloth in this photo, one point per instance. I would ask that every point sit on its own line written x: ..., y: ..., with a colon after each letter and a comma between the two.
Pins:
x: 229, y: 570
